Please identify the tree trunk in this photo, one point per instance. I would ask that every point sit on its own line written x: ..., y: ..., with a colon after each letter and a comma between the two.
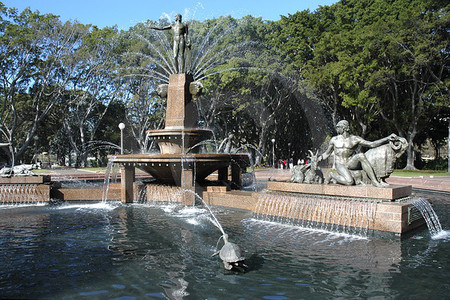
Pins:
x: 410, y: 155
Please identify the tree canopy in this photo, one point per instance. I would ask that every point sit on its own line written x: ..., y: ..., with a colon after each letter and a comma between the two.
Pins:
x: 380, y: 64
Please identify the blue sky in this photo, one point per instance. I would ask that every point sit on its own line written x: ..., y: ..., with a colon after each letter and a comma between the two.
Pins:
x: 126, y: 13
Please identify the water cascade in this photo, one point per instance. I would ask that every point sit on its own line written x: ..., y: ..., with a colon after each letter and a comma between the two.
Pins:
x: 110, y: 175
x: 161, y: 193
x: 350, y: 216
x: 25, y: 190
x: 19, y: 193
x: 428, y: 213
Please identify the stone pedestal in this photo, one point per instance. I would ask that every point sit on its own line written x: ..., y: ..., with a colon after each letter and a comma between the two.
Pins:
x: 180, y: 111
x: 127, y: 180
x: 187, y: 186
x: 390, y: 193
x: 180, y: 162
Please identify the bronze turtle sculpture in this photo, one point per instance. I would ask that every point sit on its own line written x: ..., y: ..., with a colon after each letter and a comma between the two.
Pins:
x: 230, y: 254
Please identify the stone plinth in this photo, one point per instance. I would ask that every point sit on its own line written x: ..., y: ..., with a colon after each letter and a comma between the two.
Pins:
x: 235, y: 199
x: 396, y: 217
x: 345, y: 205
x: 86, y: 193
x: 390, y: 193
x: 180, y: 111
x: 25, y: 189
x: 25, y: 179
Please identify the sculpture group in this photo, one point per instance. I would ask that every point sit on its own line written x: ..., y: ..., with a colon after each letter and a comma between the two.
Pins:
x: 352, y: 167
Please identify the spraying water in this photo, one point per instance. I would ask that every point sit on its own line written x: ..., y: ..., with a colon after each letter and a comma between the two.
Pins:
x: 214, y: 219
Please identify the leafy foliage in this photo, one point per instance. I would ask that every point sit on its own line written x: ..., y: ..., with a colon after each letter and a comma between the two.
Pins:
x: 381, y: 64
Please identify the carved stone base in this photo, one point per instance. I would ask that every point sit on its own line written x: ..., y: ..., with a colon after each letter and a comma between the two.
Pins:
x: 391, y: 193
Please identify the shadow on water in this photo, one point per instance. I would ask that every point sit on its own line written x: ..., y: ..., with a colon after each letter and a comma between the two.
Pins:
x: 254, y: 262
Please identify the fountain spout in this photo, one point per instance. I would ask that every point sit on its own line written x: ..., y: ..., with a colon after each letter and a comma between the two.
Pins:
x: 231, y: 255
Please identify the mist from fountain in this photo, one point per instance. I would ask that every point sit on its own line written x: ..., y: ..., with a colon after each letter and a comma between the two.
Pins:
x: 204, y: 55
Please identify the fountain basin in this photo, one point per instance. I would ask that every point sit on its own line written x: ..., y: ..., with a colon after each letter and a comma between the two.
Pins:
x: 114, y: 250
x: 175, y: 140
x: 168, y: 168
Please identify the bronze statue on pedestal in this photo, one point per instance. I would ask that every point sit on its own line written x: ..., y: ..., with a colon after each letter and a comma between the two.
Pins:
x: 356, y: 168
x: 180, y: 41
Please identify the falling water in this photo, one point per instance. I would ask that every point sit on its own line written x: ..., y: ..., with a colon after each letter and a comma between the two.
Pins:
x: 109, y: 174
x: 349, y: 216
x: 20, y: 194
x: 428, y: 213
x: 159, y: 193
x: 214, y: 219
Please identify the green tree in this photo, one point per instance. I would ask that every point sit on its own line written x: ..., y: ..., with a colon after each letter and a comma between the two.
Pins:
x: 33, y: 50
x: 94, y: 85
x: 376, y: 63
x: 411, y: 76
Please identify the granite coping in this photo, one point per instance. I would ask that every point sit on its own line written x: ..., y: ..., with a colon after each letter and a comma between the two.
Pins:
x: 25, y: 179
x: 390, y: 193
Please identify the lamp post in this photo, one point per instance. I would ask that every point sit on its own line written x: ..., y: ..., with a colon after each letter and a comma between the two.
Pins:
x: 448, y: 142
x: 289, y: 153
x: 121, y: 127
x: 36, y: 139
x: 273, y: 153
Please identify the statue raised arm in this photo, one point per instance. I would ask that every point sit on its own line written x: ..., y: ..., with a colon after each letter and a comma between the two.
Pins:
x: 180, y: 41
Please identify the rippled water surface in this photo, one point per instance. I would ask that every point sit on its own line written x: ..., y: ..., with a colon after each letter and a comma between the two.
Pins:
x: 115, y: 251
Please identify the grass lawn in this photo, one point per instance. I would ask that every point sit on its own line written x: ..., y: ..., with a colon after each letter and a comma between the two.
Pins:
x: 417, y: 173
x: 398, y: 172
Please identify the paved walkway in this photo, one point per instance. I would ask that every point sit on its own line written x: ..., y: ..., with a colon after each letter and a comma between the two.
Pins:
x: 438, y: 183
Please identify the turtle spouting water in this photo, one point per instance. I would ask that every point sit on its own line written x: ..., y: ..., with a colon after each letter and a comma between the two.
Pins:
x: 230, y: 254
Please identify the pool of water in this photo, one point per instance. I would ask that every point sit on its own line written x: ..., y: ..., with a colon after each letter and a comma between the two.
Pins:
x: 115, y: 251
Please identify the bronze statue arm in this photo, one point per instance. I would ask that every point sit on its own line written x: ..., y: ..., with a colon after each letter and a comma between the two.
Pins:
x: 379, y: 142
x: 327, y: 152
x: 168, y: 27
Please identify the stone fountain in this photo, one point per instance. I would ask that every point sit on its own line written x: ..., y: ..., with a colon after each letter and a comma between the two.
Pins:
x: 180, y: 161
x: 355, y: 195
